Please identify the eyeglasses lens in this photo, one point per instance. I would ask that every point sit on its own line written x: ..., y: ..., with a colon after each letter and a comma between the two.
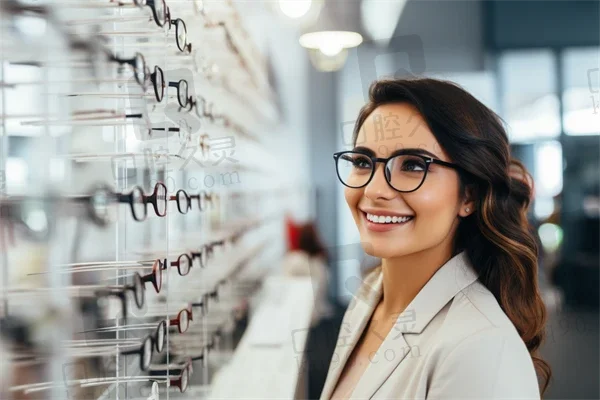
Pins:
x: 204, y: 257
x: 182, y: 93
x: 140, y: 69
x: 184, y: 321
x: 182, y: 201
x: 147, y: 353
x: 159, y: 83
x: 139, y: 205
x: 202, y: 201
x: 160, y: 8
x: 184, y: 264
x: 161, y: 336
x: 406, y: 172
x: 138, y: 290
x: 103, y: 209
x: 181, y: 32
x: 157, y: 276
x: 184, y: 379
x: 161, y: 199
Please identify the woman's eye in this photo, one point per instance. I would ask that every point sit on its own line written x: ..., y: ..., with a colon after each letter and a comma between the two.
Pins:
x: 358, y: 162
x: 413, y: 165
x: 362, y: 163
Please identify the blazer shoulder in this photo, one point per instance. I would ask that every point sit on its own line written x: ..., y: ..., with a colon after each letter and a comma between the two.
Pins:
x: 474, y: 309
x: 476, y: 316
x: 480, y: 353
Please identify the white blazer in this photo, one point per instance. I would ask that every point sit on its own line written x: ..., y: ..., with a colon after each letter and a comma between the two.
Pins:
x: 452, y: 342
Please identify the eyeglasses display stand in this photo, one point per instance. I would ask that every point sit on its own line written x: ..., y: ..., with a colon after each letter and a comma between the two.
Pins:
x: 136, y: 208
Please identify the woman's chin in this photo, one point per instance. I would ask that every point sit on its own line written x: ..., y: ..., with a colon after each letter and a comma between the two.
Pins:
x: 381, y: 248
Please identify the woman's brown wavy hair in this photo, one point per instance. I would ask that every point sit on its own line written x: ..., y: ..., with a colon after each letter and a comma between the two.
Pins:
x: 497, y: 237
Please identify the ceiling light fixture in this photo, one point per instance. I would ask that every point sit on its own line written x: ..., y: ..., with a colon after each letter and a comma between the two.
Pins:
x: 329, y: 39
x: 295, y: 8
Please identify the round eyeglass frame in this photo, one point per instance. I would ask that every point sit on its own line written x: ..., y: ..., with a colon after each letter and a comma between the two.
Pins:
x: 374, y: 160
x: 160, y: 20
x: 183, y: 200
x: 180, y: 28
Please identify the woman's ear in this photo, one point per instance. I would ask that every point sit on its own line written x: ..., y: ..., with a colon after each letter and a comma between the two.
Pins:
x: 467, y: 206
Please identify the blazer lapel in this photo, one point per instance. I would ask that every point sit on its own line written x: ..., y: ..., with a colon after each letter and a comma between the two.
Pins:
x: 357, y: 316
x: 455, y: 275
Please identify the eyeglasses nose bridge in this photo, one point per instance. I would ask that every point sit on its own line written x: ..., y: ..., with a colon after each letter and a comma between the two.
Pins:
x: 377, y: 161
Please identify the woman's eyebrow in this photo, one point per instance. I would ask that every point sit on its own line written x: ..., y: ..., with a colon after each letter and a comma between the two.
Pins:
x: 365, y: 150
x: 413, y: 150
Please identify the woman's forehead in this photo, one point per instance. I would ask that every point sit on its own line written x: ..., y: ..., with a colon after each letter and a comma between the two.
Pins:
x: 395, y: 126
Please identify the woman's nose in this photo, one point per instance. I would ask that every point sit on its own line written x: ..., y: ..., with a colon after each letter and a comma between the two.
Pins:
x: 379, y: 187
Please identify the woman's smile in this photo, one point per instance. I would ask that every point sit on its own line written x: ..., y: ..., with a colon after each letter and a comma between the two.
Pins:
x: 384, y: 223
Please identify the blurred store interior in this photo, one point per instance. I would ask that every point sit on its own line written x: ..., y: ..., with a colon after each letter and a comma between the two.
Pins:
x: 289, y: 102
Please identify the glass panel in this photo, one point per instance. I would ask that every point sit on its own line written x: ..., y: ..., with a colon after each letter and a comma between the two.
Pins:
x: 548, y: 176
x: 529, y: 102
x: 581, y: 96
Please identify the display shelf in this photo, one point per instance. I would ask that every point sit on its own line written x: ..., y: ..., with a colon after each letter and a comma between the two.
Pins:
x: 87, y: 220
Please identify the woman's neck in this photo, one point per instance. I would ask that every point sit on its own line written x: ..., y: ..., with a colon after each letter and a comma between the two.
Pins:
x: 405, y: 276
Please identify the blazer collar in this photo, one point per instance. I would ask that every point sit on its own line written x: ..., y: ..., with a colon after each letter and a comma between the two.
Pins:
x: 452, y: 277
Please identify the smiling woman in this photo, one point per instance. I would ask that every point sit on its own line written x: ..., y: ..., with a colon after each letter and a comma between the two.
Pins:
x: 446, y: 213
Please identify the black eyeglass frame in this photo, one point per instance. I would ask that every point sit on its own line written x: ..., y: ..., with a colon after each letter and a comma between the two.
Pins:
x: 152, y: 5
x: 164, y: 264
x: 182, y: 95
x: 184, y: 204
x: 138, y: 288
x: 151, y: 199
x: 180, y: 24
x: 374, y: 160
x: 141, y: 352
x: 141, y: 73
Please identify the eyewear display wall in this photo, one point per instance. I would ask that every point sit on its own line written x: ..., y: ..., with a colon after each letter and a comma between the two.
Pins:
x: 149, y: 322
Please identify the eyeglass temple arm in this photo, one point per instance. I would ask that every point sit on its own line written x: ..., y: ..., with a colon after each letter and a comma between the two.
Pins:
x: 133, y: 352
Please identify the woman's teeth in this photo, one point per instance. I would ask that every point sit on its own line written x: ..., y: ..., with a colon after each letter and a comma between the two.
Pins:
x: 380, y: 219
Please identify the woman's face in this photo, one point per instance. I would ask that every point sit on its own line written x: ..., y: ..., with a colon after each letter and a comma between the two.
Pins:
x: 434, y: 207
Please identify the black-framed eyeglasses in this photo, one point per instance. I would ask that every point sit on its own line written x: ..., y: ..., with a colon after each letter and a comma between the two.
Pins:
x: 158, y: 82
x: 180, y: 33
x: 145, y: 352
x: 183, y: 200
x: 204, y: 109
x: 405, y: 171
x: 137, y: 63
x: 203, y: 198
x: 159, y: 10
x: 183, y: 263
x: 137, y: 288
x: 182, y: 91
x: 138, y: 201
x: 180, y: 378
x: 206, y: 252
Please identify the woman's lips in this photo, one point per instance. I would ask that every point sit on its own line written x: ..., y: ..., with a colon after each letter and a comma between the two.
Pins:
x: 375, y: 227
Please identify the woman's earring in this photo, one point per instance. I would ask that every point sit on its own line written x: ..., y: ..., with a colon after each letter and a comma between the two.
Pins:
x: 467, y: 209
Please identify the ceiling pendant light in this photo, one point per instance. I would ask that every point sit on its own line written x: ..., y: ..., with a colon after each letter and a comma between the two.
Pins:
x: 329, y: 39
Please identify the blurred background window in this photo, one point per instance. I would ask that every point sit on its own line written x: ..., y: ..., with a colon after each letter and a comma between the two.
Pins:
x: 529, y: 102
x: 581, y: 92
